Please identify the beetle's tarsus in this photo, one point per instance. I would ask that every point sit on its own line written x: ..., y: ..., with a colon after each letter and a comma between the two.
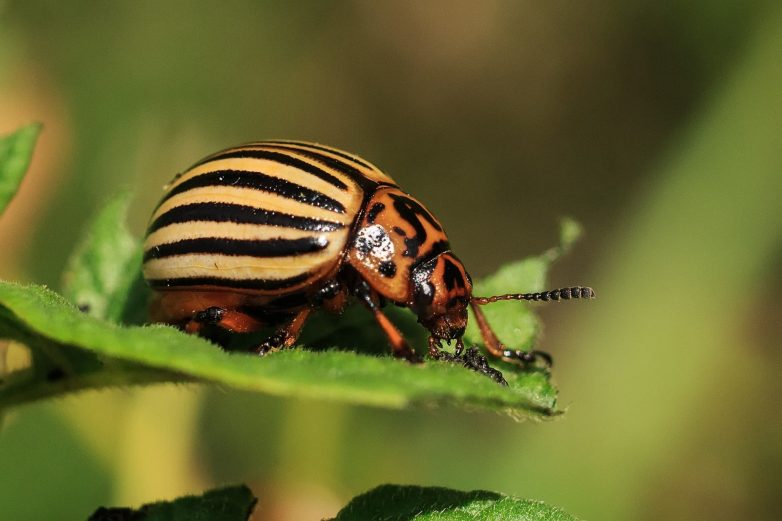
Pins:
x: 471, y: 359
x: 434, y: 348
x: 273, y: 343
x: 413, y: 358
x: 286, y: 335
x: 527, y: 358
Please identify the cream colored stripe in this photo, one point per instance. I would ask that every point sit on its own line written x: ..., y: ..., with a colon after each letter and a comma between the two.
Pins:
x: 218, y: 266
x: 374, y: 173
x: 257, y: 199
x: 275, y: 169
x: 228, y: 230
x: 237, y: 267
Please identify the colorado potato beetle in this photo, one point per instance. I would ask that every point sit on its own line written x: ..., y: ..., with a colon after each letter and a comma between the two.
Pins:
x: 262, y: 234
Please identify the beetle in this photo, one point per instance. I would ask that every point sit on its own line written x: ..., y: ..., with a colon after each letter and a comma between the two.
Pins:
x: 264, y: 233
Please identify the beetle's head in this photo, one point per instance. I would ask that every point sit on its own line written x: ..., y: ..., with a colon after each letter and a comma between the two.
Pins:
x: 441, y: 292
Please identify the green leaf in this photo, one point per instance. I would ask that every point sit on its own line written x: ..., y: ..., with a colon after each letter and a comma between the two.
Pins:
x: 412, y: 503
x: 16, y: 150
x: 105, y: 265
x: 72, y: 350
x: 225, y: 504
x: 35, y: 315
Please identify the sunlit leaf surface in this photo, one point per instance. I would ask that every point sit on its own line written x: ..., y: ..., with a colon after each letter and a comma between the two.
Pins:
x: 16, y: 150
x: 411, y: 503
x: 225, y: 504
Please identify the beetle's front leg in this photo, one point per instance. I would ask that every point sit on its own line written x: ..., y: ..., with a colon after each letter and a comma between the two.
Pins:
x: 471, y: 359
x: 498, y: 349
x: 399, y: 345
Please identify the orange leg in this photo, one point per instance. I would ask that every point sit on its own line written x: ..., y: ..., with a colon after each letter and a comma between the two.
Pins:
x: 498, y: 349
x: 399, y: 345
x: 493, y: 344
x: 285, y: 336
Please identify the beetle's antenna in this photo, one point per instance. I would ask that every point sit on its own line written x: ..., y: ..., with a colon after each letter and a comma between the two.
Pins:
x: 553, y: 294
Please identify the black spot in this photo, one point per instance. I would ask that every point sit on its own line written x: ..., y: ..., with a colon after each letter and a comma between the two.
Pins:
x: 211, y: 315
x: 55, y: 374
x: 452, y: 276
x: 387, y: 269
x: 399, y: 231
x: 85, y: 308
x: 327, y: 292
x: 374, y: 211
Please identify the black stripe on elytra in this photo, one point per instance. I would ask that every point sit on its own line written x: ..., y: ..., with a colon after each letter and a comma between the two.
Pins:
x: 259, y: 284
x: 258, y: 248
x: 340, y: 166
x: 278, y: 157
x: 240, y: 214
x: 258, y: 181
x: 324, y: 149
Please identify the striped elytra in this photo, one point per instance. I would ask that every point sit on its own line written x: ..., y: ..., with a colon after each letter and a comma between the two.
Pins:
x: 262, y: 217
x: 264, y: 233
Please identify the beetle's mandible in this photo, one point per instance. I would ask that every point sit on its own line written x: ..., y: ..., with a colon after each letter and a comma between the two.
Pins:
x: 264, y: 233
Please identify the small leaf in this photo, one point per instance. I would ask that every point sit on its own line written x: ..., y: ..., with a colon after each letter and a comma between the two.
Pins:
x: 225, y: 504
x: 16, y: 150
x: 412, y: 503
x: 570, y: 231
x: 513, y: 322
x: 104, y: 266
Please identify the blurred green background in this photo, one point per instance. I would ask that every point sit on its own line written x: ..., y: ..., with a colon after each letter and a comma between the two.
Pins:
x: 657, y: 124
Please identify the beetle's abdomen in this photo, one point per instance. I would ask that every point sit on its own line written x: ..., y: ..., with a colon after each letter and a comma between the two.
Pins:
x: 271, y: 217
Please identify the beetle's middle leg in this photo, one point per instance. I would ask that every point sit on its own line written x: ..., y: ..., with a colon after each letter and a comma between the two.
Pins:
x: 286, y: 335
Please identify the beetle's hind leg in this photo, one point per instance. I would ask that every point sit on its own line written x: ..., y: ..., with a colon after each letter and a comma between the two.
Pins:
x: 286, y: 335
x: 230, y: 320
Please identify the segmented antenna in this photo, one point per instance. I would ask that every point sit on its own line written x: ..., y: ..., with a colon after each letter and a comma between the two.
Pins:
x: 554, y: 294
